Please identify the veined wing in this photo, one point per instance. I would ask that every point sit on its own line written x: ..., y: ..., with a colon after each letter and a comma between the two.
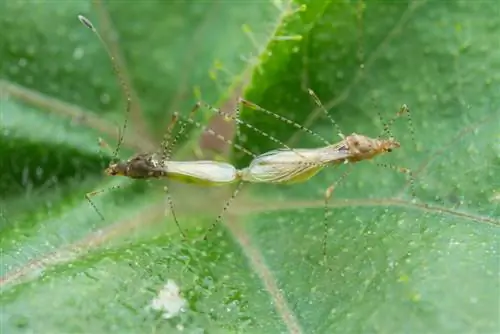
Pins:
x: 287, y: 166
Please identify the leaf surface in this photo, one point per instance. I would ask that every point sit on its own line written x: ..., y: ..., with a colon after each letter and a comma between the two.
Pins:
x: 396, y: 262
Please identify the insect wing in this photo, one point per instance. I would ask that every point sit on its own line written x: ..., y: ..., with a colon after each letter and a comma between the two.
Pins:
x: 286, y: 166
x: 201, y: 172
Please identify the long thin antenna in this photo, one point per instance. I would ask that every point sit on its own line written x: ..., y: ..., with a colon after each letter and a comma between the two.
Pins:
x: 386, y: 125
x: 86, y: 22
x: 402, y: 111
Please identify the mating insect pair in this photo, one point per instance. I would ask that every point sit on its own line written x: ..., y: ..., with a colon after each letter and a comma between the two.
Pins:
x: 283, y: 166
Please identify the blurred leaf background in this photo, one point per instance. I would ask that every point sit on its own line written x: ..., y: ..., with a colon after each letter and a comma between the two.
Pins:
x: 394, y: 263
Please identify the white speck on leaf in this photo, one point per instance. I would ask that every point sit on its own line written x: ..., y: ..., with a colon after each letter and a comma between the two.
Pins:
x: 169, y: 301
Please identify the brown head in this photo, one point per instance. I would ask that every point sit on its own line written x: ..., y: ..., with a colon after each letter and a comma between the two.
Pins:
x: 364, y: 148
x: 119, y: 168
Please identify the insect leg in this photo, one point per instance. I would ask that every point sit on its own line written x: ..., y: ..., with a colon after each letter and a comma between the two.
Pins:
x: 171, y: 205
x: 97, y: 192
x: 404, y: 110
x: 220, y: 137
x: 322, y: 107
x: 240, y: 122
x: 408, y: 172
x: 253, y: 128
x: 327, y: 212
x: 166, y: 144
x: 226, y: 206
x: 256, y: 107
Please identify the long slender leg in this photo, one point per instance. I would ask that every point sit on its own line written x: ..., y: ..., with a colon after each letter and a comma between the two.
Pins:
x: 166, y: 155
x: 97, y: 192
x: 250, y: 126
x: 265, y: 134
x: 226, y: 206
x: 220, y: 137
x: 327, y: 214
x: 171, y: 205
x: 168, y: 146
x: 284, y: 119
x: 322, y: 107
x: 408, y: 172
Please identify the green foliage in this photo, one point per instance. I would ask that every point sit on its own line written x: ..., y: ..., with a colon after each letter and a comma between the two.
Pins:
x: 395, y: 264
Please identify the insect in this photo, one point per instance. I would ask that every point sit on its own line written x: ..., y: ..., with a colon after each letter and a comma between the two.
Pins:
x: 282, y: 166
x: 289, y: 166
x: 296, y: 158
x: 155, y: 165
x: 274, y: 167
x: 158, y: 164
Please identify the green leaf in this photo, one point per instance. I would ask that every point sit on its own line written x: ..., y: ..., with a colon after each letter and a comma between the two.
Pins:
x: 396, y: 261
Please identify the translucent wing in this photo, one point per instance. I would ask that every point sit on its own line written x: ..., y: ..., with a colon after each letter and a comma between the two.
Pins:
x: 286, y: 166
x: 204, y: 172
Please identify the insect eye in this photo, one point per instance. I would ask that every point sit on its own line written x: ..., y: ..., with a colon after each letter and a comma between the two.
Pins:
x: 389, y: 150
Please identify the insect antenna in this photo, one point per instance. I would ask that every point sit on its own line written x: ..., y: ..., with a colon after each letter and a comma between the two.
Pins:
x: 128, y: 96
x: 121, y: 132
x: 402, y: 111
x: 386, y: 126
